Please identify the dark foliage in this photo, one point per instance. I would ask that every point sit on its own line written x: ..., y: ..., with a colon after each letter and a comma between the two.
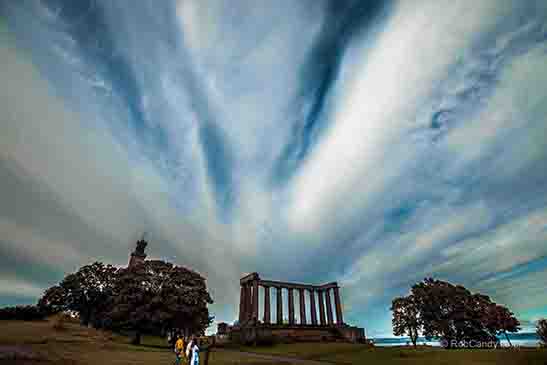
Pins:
x: 451, y: 312
x: 150, y: 297
x: 499, y: 320
x: 21, y: 313
x: 53, y: 301
x: 406, y: 317
x: 155, y: 296
x: 86, y: 292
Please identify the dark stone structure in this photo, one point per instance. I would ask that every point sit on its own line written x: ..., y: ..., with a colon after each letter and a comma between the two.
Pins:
x: 138, y: 256
x: 251, y: 328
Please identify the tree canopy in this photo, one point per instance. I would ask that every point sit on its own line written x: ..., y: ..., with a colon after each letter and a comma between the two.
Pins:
x: 86, y: 292
x: 437, y: 308
x: 150, y: 297
x: 406, y: 317
x: 156, y: 296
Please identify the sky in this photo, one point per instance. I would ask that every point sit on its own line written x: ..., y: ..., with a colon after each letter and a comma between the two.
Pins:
x: 364, y: 142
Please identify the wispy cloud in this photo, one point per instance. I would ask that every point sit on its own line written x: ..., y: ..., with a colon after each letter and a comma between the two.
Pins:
x: 372, y: 143
x: 13, y: 287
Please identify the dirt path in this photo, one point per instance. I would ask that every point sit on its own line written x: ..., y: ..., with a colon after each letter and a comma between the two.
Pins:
x: 281, y: 358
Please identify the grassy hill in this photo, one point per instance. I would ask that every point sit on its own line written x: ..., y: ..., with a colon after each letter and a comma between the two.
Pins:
x: 47, y: 342
x: 44, y: 342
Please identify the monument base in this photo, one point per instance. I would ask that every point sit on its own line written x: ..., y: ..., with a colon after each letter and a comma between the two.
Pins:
x: 257, y: 334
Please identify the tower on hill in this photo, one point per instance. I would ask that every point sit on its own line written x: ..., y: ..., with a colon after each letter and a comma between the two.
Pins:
x: 138, y: 256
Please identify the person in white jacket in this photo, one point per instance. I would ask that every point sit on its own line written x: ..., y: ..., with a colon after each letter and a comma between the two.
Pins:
x: 195, y: 353
x: 189, y: 351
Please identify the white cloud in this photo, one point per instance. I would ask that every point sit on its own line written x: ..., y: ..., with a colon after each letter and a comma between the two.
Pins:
x: 427, y: 237
x: 384, y: 202
x: 518, y: 105
x: 516, y: 242
x: 90, y: 175
x: 24, y: 243
x: 355, y: 160
x: 15, y: 287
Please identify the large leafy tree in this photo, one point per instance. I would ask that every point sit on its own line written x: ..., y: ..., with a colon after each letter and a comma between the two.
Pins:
x: 155, y: 296
x: 452, y: 312
x: 406, y: 317
x: 87, y: 292
x: 499, y: 321
x: 53, y: 301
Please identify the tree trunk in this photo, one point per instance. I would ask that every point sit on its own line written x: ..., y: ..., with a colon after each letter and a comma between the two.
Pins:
x: 84, y: 318
x: 92, y: 322
x: 507, y: 337
x: 413, y: 336
x: 137, y: 338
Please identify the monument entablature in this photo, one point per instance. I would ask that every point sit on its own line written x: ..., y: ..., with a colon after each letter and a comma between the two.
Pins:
x: 286, y: 285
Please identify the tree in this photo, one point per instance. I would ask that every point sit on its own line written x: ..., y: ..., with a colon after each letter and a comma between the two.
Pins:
x: 452, y: 312
x: 86, y: 292
x: 499, y: 320
x: 156, y: 296
x: 406, y: 317
x: 53, y: 301
x: 541, y: 331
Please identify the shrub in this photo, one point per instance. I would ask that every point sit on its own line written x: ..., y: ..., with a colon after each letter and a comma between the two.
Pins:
x: 21, y: 313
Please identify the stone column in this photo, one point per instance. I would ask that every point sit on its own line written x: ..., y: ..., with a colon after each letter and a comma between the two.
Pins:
x: 248, y: 301
x: 329, y: 307
x: 338, y: 304
x: 267, y: 304
x: 279, y: 302
x: 312, y: 309
x: 291, y: 306
x: 255, y: 300
x: 321, y: 308
x: 242, y: 302
x: 302, y: 306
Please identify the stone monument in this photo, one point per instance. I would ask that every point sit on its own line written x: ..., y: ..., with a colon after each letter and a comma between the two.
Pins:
x: 323, y: 323
x: 138, y: 256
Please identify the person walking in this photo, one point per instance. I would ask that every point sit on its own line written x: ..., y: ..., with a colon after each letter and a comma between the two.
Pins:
x: 189, y: 351
x: 195, y: 353
x: 179, y: 349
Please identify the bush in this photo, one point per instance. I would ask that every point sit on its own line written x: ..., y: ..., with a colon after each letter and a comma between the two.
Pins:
x: 21, y: 313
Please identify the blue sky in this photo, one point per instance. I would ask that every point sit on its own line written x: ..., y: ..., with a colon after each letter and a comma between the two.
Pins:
x: 369, y: 143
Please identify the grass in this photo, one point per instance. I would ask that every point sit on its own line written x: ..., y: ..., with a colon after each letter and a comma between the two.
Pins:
x: 315, y: 351
x: 344, y: 353
x: 439, y: 356
x: 76, y: 345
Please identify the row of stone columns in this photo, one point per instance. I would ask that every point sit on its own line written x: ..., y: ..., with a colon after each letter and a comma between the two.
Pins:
x: 248, y: 309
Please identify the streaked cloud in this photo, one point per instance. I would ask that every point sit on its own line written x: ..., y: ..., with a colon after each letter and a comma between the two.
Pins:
x: 13, y: 287
x: 373, y: 143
